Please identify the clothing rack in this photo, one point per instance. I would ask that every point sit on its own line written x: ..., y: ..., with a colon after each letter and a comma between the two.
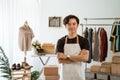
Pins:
x: 101, y: 18
x: 98, y: 24
x: 86, y: 19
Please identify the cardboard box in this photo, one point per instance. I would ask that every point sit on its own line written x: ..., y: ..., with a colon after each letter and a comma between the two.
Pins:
x: 95, y: 68
x: 48, y: 45
x: 106, y: 69
x: 116, y: 59
x: 115, y: 68
x: 52, y: 77
x: 49, y: 51
x: 51, y: 70
x: 48, y: 48
x: 106, y: 64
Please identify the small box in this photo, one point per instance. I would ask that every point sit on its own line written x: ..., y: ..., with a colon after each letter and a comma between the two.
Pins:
x: 105, y: 68
x: 95, y: 68
x: 48, y: 48
x: 116, y: 59
x: 115, y: 68
x: 52, y: 77
x: 106, y: 64
x: 51, y: 70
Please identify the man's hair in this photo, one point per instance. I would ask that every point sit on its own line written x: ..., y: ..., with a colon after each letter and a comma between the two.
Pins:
x: 67, y: 18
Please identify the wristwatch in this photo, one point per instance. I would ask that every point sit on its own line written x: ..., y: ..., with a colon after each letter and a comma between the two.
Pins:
x: 68, y: 56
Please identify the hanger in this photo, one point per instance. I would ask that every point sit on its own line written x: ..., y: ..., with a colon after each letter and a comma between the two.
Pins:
x: 26, y: 24
x: 118, y: 18
x: 94, y: 28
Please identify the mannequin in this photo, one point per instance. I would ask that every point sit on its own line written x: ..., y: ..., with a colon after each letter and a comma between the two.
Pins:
x: 25, y: 37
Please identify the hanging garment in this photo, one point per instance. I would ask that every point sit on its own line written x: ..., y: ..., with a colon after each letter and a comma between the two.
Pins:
x: 25, y: 37
x: 88, y: 35
x: 96, y: 47
x: 118, y: 37
x: 73, y: 71
x: 93, y: 42
x: 85, y: 33
x: 115, y: 37
x: 118, y: 43
x: 103, y: 44
x: 90, y: 44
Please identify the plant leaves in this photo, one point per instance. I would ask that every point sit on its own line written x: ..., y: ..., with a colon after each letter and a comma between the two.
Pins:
x: 4, y: 67
x: 5, y: 71
x: 2, y: 64
x: 6, y: 76
x: 35, y: 75
x: 2, y: 60
x: 5, y: 59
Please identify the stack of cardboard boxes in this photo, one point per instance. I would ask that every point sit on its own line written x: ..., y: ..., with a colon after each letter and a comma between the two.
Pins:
x: 108, y: 67
x: 115, y: 66
x: 51, y: 72
x: 104, y: 67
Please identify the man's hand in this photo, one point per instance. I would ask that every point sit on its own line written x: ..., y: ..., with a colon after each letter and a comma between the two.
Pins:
x: 62, y: 56
x: 84, y: 52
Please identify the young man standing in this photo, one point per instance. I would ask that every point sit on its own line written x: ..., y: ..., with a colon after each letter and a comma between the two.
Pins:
x: 72, y: 50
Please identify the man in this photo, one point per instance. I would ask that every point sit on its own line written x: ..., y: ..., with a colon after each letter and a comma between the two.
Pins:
x: 72, y: 50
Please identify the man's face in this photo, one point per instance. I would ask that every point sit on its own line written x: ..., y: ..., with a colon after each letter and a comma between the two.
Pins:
x: 72, y: 26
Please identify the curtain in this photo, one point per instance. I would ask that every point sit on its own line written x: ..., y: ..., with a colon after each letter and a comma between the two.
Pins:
x: 13, y: 14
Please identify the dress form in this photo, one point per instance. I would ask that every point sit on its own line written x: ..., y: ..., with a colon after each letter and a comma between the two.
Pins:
x: 25, y: 38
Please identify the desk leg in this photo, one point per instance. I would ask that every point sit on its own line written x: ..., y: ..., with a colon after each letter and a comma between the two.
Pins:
x: 108, y: 78
x: 44, y: 63
x: 95, y: 75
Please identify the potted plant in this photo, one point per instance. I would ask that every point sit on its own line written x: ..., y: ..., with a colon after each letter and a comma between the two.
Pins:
x: 35, y: 75
x: 4, y: 65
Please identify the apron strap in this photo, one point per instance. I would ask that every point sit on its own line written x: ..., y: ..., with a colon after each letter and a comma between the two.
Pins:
x: 77, y: 40
x: 66, y: 40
